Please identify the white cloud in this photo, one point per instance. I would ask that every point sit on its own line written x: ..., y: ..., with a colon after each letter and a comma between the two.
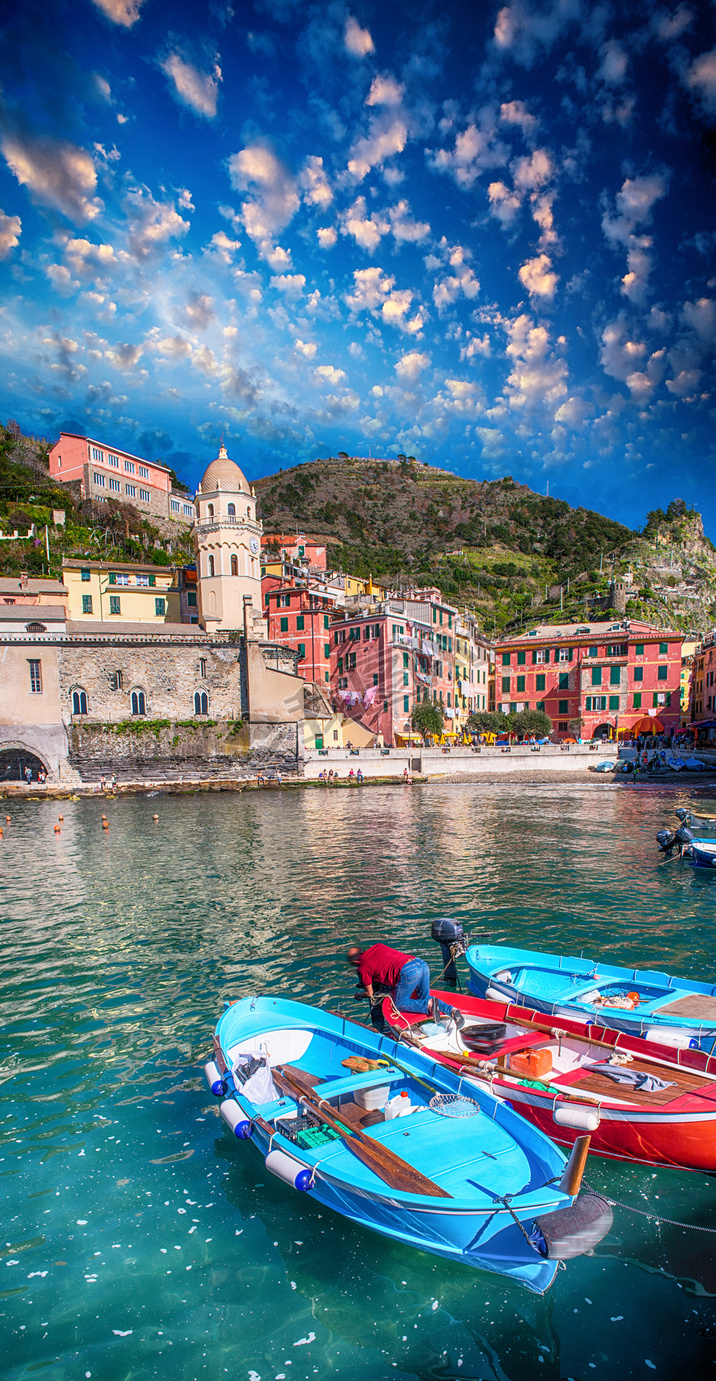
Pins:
x: 386, y: 138
x: 701, y: 77
x: 171, y: 347
x: 523, y: 29
x: 199, y: 310
x: 504, y: 204
x: 358, y: 41
x: 405, y: 229
x: 634, y: 204
x: 462, y: 396
x: 307, y: 348
x: 124, y: 356
x: 328, y: 374
x: 686, y: 381
x: 476, y: 345
x: 221, y: 245
x: 572, y: 413
x: 367, y: 231
x: 275, y: 199
x: 476, y: 148
x: 58, y: 174
x: 375, y: 292
x: 199, y: 90
x: 447, y: 290
x: 151, y: 223
x: 701, y: 317
x: 533, y: 172
x: 290, y: 284
x: 385, y: 91
x: 538, y: 377
x: 626, y: 359
x: 614, y: 63
x: 411, y: 365
x: 10, y: 229
x: 538, y: 277
x: 124, y: 12
x: 314, y: 183
x: 327, y: 236
x: 516, y: 113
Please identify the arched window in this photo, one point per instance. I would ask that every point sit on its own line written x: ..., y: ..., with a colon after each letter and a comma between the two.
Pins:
x: 201, y: 702
x: 231, y: 510
x: 210, y: 510
x: 211, y: 565
x: 234, y: 565
x: 139, y: 704
x: 35, y: 628
x: 248, y: 511
x: 79, y: 702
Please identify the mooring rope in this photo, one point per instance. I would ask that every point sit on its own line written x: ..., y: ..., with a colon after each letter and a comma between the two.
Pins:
x: 644, y: 1213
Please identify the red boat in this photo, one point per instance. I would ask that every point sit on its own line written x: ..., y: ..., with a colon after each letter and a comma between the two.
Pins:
x: 562, y: 1077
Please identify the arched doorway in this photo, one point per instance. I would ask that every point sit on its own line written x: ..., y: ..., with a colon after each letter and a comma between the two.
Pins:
x: 14, y: 763
x: 603, y: 731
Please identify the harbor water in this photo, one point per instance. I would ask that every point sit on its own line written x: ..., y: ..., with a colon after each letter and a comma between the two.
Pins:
x: 140, y: 1240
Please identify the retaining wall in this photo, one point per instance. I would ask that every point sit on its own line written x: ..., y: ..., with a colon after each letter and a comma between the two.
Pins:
x: 174, y: 751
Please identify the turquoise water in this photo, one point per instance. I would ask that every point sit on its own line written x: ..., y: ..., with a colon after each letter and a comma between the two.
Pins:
x: 140, y: 1240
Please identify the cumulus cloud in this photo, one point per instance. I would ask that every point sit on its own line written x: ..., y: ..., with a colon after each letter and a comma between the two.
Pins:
x: 411, y: 365
x: 504, y: 203
x: 537, y: 379
x: 367, y: 231
x: 222, y: 246
x: 10, y: 229
x: 387, y: 137
x: 524, y: 31
x: 538, y: 277
x: 198, y: 90
x: 634, y: 204
x: 375, y: 292
x: 57, y: 173
x: 124, y: 356
x: 385, y: 90
x: 326, y: 236
x: 478, y: 147
x: 328, y: 374
x: 124, y: 12
x: 627, y: 359
x: 307, y: 348
x: 403, y: 227
x: 275, y: 199
x: 290, y: 284
x: 171, y: 347
x: 314, y: 183
x: 701, y: 317
x: 701, y: 78
x: 614, y: 63
x: 534, y: 171
x: 516, y: 113
x: 358, y: 41
x: 199, y: 310
x: 151, y: 223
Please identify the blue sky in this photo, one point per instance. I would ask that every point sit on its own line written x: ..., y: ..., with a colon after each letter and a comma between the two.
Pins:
x: 481, y: 234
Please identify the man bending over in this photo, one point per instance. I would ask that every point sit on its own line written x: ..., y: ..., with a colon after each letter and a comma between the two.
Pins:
x: 407, y: 978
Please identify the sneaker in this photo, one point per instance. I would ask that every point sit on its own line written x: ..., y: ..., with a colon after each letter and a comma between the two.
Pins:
x: 457, y: 1017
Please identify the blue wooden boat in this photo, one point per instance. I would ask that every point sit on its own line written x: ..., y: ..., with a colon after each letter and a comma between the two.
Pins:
x: 491, y: 1186
x: 657, y: 1006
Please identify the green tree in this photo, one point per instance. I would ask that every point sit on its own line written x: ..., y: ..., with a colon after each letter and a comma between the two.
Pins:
x: 530, y: 722
x: 427, y: 719
x: 486, y: 722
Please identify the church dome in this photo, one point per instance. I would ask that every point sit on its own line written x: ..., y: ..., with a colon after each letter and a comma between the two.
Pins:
x: 224, y: 474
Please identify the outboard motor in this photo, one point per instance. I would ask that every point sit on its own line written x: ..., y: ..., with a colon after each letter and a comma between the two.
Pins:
x: 449, y: 935
x: 673, y: 839
x: 684, y: 837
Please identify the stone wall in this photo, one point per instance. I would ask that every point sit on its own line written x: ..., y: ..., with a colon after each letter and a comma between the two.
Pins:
x: 168, y: 673
x: 165, y: 751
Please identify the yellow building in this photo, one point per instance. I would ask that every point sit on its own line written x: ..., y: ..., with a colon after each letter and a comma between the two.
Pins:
x: 115, y: 593
x: 688, y: 648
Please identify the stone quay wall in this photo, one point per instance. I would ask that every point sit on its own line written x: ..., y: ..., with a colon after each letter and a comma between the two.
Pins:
x: 167, y: 751
x: 458, y: 762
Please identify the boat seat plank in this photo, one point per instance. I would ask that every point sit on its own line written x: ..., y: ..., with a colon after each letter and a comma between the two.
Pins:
x: 681, y: 1081
x: 373, y: 1078
x: 695, y: 1005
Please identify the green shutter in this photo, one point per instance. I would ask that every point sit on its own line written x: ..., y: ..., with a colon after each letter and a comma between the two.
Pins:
x: 534, y: 656
x: 614, y: 702
x: 571, y: 653
x: 596, y: 676
x: 505, y: 659
x: 540, y: 681
x: 663, y: 673
x: 615, y: 676
x: 589, y: 702
x: 520, y: 683
x: 637, y: 700
x: 521, y: 658
x: 284, y: 625
x: 639, y: 650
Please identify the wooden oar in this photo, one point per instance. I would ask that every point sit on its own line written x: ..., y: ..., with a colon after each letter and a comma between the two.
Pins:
x: 383, y: 1162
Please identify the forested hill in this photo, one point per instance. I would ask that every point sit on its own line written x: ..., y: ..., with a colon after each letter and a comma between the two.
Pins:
x: 493, y: 544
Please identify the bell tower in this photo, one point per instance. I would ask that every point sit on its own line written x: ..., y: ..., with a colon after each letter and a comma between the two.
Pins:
x: 227, y: 541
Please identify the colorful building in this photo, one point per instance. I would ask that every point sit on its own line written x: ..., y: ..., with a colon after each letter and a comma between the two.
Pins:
x: 301, y: 550
x: 119, y: 592
x: 616, y: 678
x: 107, y: 472
x: 702, y: 701
x: 474, y: 662
x: 299, y: 617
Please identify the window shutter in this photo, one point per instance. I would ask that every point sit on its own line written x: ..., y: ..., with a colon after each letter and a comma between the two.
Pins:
x: 534, y: 656
x: 571, y: 653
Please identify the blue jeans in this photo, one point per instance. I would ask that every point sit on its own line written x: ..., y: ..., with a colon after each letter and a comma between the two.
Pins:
x: 415, y: 978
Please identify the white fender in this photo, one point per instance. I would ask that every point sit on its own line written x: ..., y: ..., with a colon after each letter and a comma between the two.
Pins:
x: 213, y: 1078
x: 235, y: 1119
x: 671, y: 1035
x: 576, y: 1115
x: 495, y: 996
x: 291, y: 1171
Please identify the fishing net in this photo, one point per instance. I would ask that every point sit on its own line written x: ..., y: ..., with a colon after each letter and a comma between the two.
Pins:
x: 454, y: 1105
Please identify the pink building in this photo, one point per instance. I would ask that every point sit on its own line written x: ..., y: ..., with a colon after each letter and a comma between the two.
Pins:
x: 302, y: 550
x: 620, y: 678
x: 106, y: 472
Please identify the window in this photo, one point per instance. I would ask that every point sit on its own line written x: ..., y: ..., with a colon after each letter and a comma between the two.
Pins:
x: 210, y: 510
x: 114, y: 604
x: 376, y: 630
x: 326, y: 649
x: 520, y: 683
x: 563, y: 707
x: 188, y: 510
x: 114, y: 484
x: 86, y: 604
x: 565, y: 654
x: 143, y: 472
x: 99, y: 479
x: 85, y: 573
x: 201, y: 702
x: 505, y: 685
x: 638, y: 673
x: 113, y: 460
x: 234, y: 565
x: 366, y: 634
x: 639, y: 650
x: 405, y: 659
x: 284, y: 625
x: 562, y: 728
x: 115, y: 681
x: 160, y: 606
x: 326, y: 621
x: 97, y: 454
x: 615, y: 676
x: 596, y: 676
x: 300, y: 623
x: 144, y: 495
x: 617, y: 650
x: 351, y: 661
x: 211, y: 565
x: 614, y: 702
x: 521, y: 658
x: 663, y: 673
x: 375, y: 678
x: 540, y: 655
x: 142, y: 579
x: 139, y: 704
x: 406, y: 678
x: 637, y: 700
x: 340, y: 665
x: 129, y: 467
x: 301, y: 652
x: 540, y: 681
x: 120, y: 578
x: 35, y: 678
x: 564, y: 680
x: 593, y: 652
x: 175, y: 507
x: 599, y: 702
x: 538, y: 706
x: 130, y: 489
x: 505, y: 659
x: 285, y: 601
x: 79, y: 702
x: 231, y: 510
x: 663, y: 649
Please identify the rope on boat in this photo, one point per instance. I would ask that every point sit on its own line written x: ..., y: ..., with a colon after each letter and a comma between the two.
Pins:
x: 644, y: 1213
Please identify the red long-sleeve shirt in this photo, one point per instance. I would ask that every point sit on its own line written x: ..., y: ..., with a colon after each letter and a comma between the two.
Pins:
x: 382, y: 964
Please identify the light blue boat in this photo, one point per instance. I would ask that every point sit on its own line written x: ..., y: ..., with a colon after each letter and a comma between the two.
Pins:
x: 674, y: 1011
x: 497, y: 1175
